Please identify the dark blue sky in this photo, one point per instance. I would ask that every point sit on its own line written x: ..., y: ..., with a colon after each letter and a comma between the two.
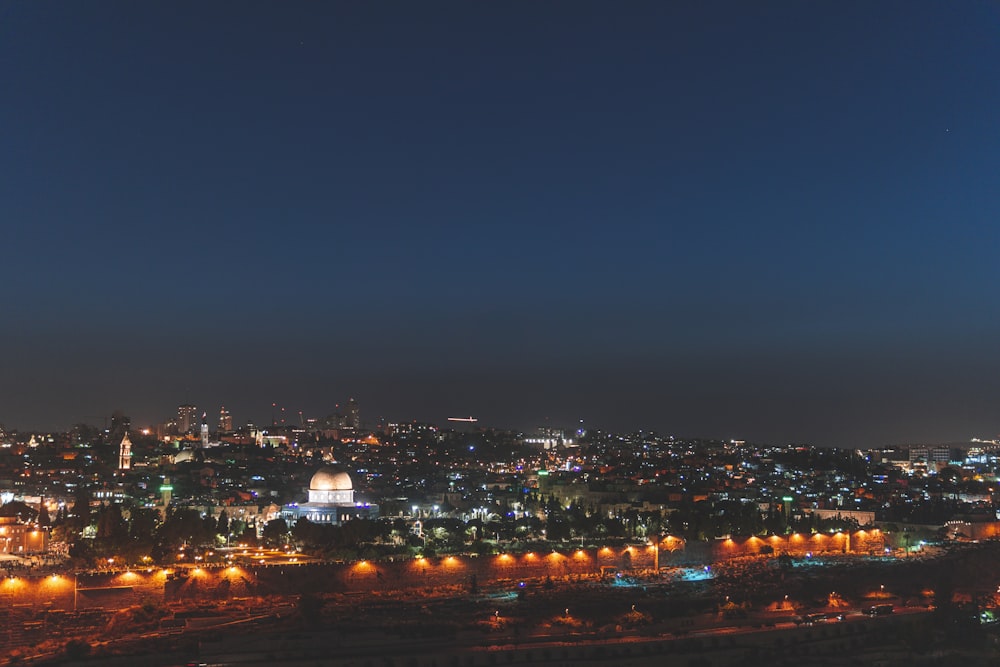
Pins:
x: 774, y: 221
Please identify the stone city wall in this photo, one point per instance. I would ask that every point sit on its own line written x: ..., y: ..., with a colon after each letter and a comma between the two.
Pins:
x: 862, y: 542
x: 113, y: 590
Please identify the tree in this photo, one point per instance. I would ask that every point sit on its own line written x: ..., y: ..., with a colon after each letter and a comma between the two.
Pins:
x: 275, y: 531
x: 556, y: 527
x: 210, y: 525
x: 785, y: 562
x: 111, y: 525
x: 248, y: 535
x: 357, y: 532
x: 142, y: 523
x: 181, y: 526
x: 80, y: 512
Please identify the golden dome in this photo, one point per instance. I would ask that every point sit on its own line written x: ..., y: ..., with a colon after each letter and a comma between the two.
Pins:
x: 330, y: 479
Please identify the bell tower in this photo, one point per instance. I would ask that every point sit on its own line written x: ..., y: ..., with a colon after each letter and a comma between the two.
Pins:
x: 125, y: 454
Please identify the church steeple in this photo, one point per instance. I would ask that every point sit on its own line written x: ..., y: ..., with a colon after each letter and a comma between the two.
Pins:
x: 125, y: 454
x: 204, y: 430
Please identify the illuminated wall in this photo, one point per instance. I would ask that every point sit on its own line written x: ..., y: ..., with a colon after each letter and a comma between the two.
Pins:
x: 122, y: 589
x: 800, y: 544
x: 979, y: 530
x: 20, y: 538
x: 54, y: 592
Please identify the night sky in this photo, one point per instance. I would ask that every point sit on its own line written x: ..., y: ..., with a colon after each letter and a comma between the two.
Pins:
x: 771, y: 221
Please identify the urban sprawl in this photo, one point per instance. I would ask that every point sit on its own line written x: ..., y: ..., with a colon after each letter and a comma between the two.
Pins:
x: 160, y: 521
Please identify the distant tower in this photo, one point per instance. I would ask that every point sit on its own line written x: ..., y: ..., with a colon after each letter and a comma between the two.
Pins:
x: 125, y: 454
x: 204, y: 429
x: 225, y: 421
x: 186, y: 416
x: 353, y: 414
x: 120, y: 424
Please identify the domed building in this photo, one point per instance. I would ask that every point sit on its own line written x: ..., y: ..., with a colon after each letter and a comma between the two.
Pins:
x: 331, y: 500
x: 331, y: 487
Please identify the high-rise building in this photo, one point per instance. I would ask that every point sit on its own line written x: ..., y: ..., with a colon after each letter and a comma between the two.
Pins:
x: 120, y: 424
x: 225, y: 421
x: 187, y: 417
x: 353, y: 414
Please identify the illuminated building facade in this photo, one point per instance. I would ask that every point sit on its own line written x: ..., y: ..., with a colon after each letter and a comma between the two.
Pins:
x: 353, y: 414
x: 125, y: 454
x: 331, y: 500
x: 225, y: 421
x: 187, y: 417
x: 21, y: 538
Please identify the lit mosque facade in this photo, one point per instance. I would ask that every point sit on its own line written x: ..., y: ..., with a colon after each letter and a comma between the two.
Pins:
x: 331, y: 501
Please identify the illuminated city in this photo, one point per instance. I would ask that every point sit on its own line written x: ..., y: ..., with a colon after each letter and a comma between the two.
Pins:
x: 461, y: 334
x: 142, y: 536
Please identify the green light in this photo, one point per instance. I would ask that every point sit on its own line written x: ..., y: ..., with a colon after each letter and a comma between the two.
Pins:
x: 788, y: 499
x: 166, y: 487
x: 543, y: 473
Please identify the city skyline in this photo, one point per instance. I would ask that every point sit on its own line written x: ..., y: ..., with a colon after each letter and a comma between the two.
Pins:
x: 769, y: 223
x: 170, y: 422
